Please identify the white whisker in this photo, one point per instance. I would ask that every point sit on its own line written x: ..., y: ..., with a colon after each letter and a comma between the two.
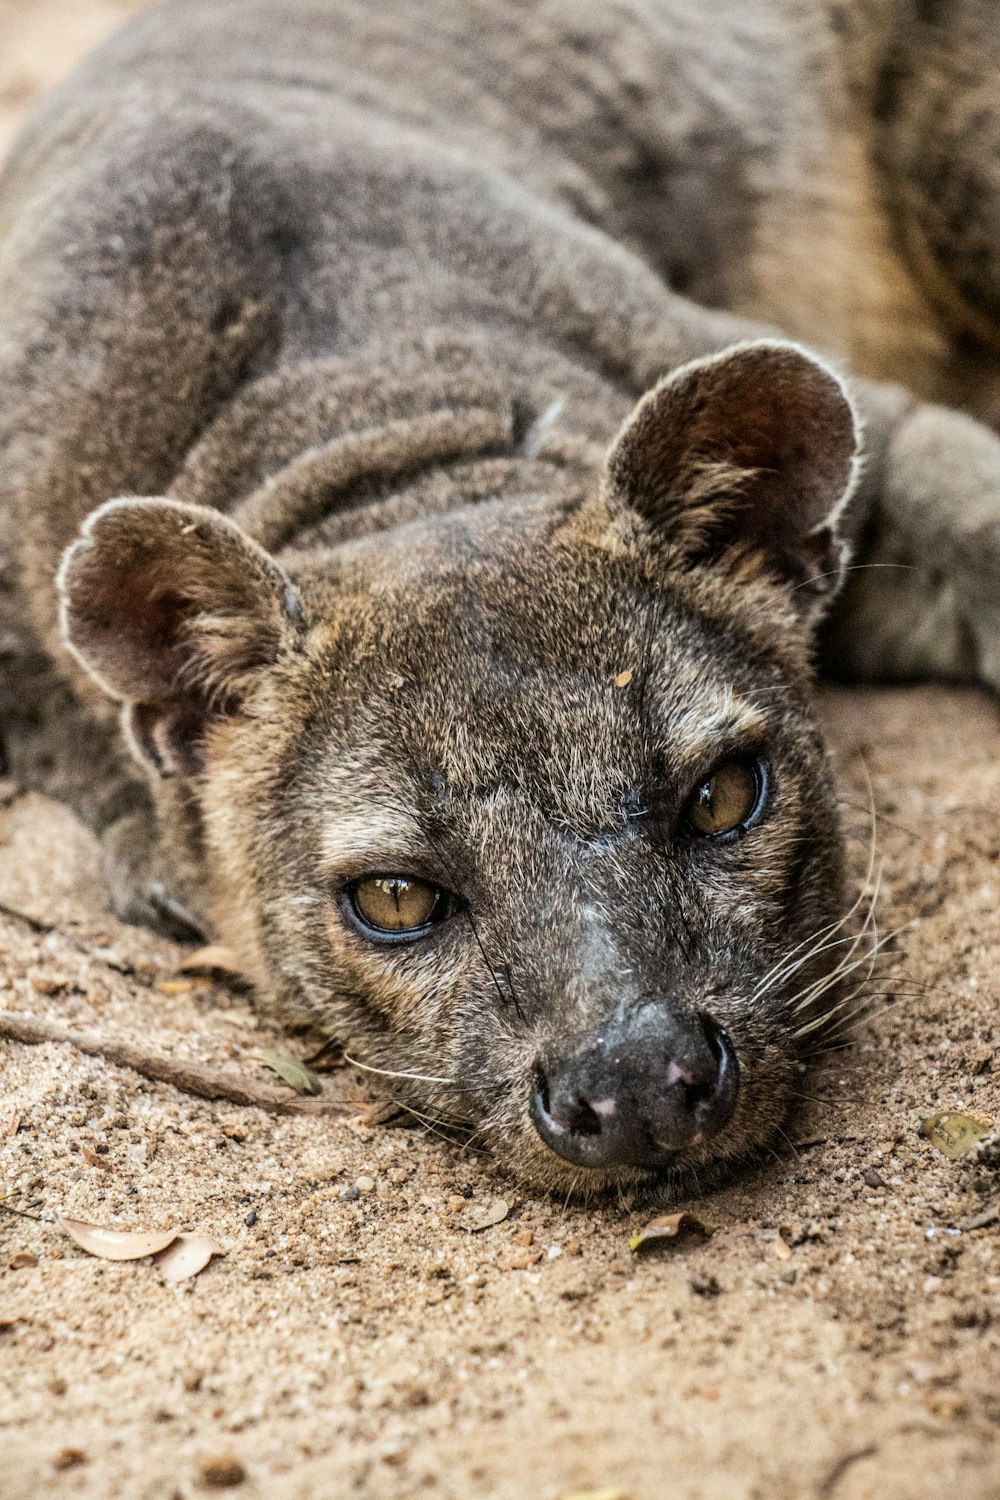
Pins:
x: 387, y: 1073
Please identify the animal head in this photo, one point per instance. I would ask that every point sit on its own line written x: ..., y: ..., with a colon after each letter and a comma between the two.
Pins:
x: 527, y: 800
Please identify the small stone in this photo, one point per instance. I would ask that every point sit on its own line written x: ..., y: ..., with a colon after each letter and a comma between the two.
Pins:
x: 365, y: 1184
x: 874, y: 1179
x: 350, y: 1194
x: 222, y: 1472
x: 69, y: 1458
x: 624, y: 678
x: 251, y: 1218
x: 524, y: 1237
x: 455, y: 1205
x: 22, y: 1260
x: 947, y: 1406
x: 522, y: 1262
x: 573, y: 1247
x: 51, y: 984
x: 705, y: 1286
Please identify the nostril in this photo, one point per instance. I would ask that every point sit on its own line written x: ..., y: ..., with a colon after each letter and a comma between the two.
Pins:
x: 566, y: 1111
x: 713, y: 1101
x: 542, y: 1089
x: 582, y: 1118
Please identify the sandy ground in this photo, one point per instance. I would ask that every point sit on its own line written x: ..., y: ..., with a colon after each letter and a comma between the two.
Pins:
x: 364, y: 1342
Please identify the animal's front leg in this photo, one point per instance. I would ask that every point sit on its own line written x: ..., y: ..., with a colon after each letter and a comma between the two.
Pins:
x: 59, y: 743
x: 142, y: 886
x: 923, y: 596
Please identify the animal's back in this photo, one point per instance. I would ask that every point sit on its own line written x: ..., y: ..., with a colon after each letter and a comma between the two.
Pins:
x: 728, y: 145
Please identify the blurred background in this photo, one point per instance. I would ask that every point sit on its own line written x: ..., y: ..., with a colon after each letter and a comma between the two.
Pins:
x: 41, y: 41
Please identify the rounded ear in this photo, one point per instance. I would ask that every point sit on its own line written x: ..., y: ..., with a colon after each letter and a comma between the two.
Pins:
x: 755, y: 447
x: 174, y: 610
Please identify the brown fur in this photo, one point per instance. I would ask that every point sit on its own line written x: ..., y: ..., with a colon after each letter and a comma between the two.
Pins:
x: 366, y: 293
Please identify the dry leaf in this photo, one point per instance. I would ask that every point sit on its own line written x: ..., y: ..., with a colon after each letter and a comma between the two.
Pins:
x: 22, y: 1260
x: 189, y: 1254
x: 210, y: 961
x: 294, y: 1072
x: 10, y: 1129
x: 955, y: 1134
x: 117, y: 1244
x: 624, y: 678
x: 669, y: 1227
x: 495, y: 1214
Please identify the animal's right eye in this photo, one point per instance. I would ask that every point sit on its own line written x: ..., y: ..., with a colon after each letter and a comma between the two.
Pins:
x: 730, y: 799
x: 396, y: 906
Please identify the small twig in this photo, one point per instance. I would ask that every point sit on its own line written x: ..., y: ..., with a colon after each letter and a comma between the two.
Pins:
x: 836, y: 1473
x: 34, y: 924
x: 22, y: 1213
x: 190, y: 1078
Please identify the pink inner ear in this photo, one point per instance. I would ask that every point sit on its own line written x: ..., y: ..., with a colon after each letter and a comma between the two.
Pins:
x: 119, y: 620
x: 758, y: 442
x: 171, y: 603
x: 788, y: 421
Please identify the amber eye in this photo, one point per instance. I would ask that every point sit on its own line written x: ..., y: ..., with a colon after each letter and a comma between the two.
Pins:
x: 396, y: 905
x: 728, y: 799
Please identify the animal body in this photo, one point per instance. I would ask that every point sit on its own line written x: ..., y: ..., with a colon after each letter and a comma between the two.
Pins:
x: 412, y: 402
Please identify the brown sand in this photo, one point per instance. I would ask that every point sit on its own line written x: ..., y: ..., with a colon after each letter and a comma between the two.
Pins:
x: 368, y: 1344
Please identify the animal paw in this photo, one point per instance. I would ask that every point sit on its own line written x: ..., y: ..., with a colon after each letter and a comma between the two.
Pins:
x: 139, y: 888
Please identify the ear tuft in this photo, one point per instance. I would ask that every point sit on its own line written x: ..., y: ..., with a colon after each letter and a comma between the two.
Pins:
x: 174, y: 610
x: 755, y: 447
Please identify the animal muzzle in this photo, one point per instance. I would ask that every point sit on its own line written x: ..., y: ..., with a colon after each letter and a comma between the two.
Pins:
x: 648, y: 1085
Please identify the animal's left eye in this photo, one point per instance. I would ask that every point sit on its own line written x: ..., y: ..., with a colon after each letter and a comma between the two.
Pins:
x: 731, y: 798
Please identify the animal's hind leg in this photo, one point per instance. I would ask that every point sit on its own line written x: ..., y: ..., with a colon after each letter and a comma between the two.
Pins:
x: 937, y: 142
x: 922, y: 598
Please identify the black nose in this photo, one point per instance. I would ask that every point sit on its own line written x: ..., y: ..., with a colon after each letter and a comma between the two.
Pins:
x: 649, y: 1085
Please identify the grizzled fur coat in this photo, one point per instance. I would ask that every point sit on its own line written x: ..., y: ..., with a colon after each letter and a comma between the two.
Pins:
x: 370, y: 289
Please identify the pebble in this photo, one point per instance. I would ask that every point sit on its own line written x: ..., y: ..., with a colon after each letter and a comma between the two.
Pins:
x: 365, y: 1184
x: 69, y: 1458
x: 22, y: 1260
x: 51, y: 984
x: 222, y: 1472
x: 522, y: 1262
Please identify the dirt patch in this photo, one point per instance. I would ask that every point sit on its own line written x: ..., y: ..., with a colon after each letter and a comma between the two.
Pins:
x: 837, y: 1336
x: 834, y: 1336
